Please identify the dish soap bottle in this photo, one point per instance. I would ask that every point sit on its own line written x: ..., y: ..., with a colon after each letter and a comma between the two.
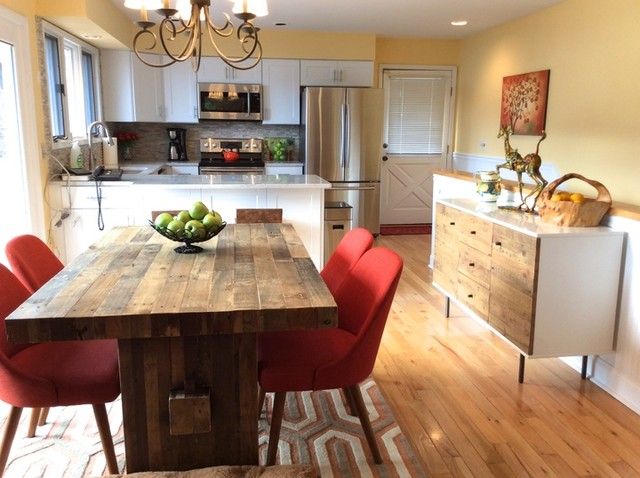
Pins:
x: 76, y: 158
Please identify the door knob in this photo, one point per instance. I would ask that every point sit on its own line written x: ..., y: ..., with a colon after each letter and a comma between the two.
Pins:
x: 385, y: 145
x: 385, y: 158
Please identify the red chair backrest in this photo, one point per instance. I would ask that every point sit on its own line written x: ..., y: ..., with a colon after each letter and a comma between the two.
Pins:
x: 364, y: 301
x: 12, y: 294
x: 354, y: 243
x: 32, y: 261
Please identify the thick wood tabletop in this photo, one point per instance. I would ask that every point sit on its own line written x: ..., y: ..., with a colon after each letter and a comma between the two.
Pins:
x: 131, y: 284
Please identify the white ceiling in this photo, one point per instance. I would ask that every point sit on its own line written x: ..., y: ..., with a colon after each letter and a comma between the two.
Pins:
x: 395, y: 18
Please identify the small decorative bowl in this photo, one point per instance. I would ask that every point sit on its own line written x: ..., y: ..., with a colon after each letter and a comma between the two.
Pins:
x: 188, y: 240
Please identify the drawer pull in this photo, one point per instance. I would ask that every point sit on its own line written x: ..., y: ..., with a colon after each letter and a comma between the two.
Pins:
x: 498, y: 243
x: 472, y: 264
x: 470, y: 296
x: 473, y: 233
x: 452, y: 223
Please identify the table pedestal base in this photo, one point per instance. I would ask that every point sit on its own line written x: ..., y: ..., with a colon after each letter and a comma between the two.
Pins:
x: 150, y: 369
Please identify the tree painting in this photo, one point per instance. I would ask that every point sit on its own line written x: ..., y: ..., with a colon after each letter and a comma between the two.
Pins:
x: 524, y: 102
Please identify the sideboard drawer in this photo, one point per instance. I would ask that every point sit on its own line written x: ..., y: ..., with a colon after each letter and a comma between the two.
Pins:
x: 473, y: 295
x: 514, y: 246
x: 474, y: 264
x: 476, y: 232
x: 448, y: 222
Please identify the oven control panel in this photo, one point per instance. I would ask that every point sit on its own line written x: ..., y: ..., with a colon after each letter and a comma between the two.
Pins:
x: 212, y: 145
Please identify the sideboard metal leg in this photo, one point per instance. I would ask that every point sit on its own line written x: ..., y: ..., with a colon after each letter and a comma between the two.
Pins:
x: 585, y: 361
x: 521, y: 369
x: 447, y: 306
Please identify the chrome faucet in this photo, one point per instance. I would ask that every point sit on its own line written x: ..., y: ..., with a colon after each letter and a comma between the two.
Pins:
x: 105, y: 134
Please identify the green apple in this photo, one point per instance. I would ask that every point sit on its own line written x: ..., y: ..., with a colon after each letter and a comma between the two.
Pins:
x: 195, y: 229
x: 212, y: 221
x: 198, y: 210
x: 175, y: 226
x: 184, y: 217
x: 163, y: 220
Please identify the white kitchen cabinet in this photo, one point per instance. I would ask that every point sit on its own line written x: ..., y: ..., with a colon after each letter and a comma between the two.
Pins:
x: 280, y: 91
x: 272, y: 167
x: 180, y: 93
x: 226, y: 201
x: 160, y: 198
x: 117, y: 85
x: 336, y: 73
x: 214, y: 70
x: 133, y: 91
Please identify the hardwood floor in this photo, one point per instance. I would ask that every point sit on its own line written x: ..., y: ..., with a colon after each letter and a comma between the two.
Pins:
x: 453, y: 387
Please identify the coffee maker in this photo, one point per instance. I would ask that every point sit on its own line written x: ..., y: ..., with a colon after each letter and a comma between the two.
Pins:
x: 177, y: 144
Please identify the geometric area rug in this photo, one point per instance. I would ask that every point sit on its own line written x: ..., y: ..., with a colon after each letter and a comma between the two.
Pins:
x: 316, y: 430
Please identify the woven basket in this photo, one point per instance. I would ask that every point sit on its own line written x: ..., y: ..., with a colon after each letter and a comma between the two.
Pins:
x: 567, y: 213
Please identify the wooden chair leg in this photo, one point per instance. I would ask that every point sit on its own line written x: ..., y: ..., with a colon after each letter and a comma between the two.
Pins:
x: 43, y: 416
x: 33, y: 423
x: 350, y: 405
x: 7, y: 437
x: 102, y: 420
x: 366, y: 424
x: 276, y: 423
x: 261, y: 396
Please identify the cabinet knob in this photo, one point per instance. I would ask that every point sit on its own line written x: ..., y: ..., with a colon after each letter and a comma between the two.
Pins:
x: 473, y: 233
x: 498, y: 243
x: 472, y: 264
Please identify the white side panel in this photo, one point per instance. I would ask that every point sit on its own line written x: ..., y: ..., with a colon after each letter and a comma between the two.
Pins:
x: 577, y: 295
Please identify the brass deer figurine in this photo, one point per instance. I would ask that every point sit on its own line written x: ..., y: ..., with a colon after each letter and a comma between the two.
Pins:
x: 530, y: 164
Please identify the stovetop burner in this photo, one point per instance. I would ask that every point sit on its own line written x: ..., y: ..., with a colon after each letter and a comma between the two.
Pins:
x: 249, y: 150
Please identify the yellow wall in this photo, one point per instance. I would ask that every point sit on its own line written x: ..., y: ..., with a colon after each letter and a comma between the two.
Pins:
x: 591, y: 48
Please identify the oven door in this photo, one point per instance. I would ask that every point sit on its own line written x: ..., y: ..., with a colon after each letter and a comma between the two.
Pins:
x: 229, y: 102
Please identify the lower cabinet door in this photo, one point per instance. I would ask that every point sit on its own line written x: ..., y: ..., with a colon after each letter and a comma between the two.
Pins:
x: 473, y: 295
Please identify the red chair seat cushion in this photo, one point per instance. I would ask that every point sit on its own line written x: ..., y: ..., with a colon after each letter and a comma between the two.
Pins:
x: 289, y: 360
x: 79, y: 372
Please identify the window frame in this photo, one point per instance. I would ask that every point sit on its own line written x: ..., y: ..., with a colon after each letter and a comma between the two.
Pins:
x: 79, y: 49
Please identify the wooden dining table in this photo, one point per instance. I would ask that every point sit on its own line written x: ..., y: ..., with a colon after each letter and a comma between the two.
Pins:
x: 187, y: 327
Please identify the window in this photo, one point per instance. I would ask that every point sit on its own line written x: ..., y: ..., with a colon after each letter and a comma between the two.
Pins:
x: 417, y: 106
x: 72, y: 70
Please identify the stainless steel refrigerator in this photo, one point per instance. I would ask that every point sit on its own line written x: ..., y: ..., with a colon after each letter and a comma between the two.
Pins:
x: 342, y: 143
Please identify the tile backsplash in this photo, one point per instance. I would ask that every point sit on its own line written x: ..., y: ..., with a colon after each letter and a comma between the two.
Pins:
x: 152, y: 144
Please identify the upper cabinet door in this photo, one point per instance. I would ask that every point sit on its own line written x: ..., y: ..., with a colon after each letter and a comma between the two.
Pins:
x: 180, y: 93
x: 281, y: 91
x: 336, y: 73
x: 117, y: 85
x: 214, y: 70
x: 148, y: 90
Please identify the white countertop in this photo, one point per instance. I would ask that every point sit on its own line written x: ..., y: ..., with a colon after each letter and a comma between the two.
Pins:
x: 186, y: 181
x: 526, y: 223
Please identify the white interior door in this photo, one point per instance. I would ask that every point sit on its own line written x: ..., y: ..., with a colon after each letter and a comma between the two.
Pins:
x: 417, y: 136
x: 18, y: 195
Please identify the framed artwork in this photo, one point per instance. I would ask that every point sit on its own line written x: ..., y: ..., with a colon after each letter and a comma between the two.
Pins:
x: 524, y: 102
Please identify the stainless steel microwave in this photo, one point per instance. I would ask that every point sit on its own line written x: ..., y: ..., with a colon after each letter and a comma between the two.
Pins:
x: 223, y: 101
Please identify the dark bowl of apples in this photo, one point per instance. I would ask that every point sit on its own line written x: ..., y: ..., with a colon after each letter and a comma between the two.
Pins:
x: 198, y: 224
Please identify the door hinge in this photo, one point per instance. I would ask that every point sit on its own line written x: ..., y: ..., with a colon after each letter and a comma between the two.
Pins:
x: 61, y: 88
x: 451, y: 91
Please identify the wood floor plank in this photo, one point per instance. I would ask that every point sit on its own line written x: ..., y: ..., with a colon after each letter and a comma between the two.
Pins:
x: 453, y: 387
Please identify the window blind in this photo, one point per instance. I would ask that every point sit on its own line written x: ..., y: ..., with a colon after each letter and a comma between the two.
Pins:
x: 416, y: 115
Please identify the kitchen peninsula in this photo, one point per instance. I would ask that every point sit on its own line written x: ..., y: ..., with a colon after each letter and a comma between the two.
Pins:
x: 76, y: 205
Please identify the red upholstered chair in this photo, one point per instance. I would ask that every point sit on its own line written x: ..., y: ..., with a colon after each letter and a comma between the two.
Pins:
x: 54, y: 374
x: 354, y: 243
x: 32, y: 261
x: 34, y: 264
x: 341, y: 357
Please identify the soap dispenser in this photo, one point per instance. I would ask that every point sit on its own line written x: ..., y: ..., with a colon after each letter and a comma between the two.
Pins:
x: 76, y: 158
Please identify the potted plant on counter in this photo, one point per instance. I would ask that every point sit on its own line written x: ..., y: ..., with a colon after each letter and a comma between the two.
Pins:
x: 125, y: 142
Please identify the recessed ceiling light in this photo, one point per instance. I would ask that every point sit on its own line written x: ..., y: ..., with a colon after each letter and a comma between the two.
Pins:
x: 280, y: 24
x: 88, y: 36
x: 459, y: 23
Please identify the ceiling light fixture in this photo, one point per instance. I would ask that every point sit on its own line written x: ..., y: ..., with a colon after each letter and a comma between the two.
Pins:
x: 193, y: 18
x: 459, y: 23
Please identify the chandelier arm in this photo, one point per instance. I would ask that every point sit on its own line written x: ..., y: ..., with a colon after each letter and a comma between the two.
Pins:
x: 163, y: 40
x: 225, y: 31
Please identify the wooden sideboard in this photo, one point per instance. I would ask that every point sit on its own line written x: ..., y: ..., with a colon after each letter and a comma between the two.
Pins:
x: 550, y: 291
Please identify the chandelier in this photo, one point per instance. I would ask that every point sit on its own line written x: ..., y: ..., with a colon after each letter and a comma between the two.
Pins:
x: 185, y: 22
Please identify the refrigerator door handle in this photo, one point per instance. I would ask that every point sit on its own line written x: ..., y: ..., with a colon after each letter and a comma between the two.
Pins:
x: 347, y: 139
x: 343, y: 132
x: 363, y: 188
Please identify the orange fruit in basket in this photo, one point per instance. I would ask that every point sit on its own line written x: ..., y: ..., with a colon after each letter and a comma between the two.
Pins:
x: 577, y: 198
x: 564, y: 196
x: 556, y: 197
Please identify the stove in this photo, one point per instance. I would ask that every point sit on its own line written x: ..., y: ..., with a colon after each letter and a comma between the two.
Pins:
x: 249, y: 161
